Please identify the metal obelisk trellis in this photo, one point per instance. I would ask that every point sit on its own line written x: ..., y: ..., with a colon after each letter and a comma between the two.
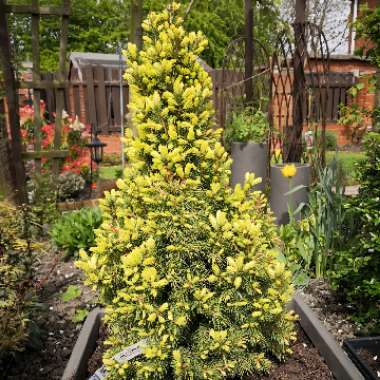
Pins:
x: 300, y: 81
x: 36, y: 11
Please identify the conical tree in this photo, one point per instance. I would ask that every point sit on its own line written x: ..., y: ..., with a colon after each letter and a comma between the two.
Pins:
x: 181, y: 260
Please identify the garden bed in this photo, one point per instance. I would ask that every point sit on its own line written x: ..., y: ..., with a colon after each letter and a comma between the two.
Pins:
x: 55, y: 320
x: 304, y: 364
x: 314, y: 343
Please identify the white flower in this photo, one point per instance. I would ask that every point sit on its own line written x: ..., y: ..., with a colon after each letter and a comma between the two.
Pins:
x: 65, y: 115
x: 77, y: 125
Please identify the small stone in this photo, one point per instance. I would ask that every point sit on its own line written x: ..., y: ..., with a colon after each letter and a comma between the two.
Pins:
x: 51, y: 308
x: 61, y: 332
x: 41, y: 369
x: 340, y: 331
x: 378, y: 373
x: 304, y: 344
x: 51, y: 334
x: 375, y: 357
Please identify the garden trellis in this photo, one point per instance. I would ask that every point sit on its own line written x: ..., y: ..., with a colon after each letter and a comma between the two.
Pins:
x: 37, y: 85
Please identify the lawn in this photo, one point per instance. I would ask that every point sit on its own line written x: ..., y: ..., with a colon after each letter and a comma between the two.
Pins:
x: 347, y: 160
x: 109, y: 172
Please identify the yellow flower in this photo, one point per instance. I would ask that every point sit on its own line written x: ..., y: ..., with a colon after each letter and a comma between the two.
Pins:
x: 289, y: 170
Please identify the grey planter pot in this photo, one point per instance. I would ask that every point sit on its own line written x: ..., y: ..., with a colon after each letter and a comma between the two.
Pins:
x: 280, y: 186
x: 249, y: 158
x: 337, y: 360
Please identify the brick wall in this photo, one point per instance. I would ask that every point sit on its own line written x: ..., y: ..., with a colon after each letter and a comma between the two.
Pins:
x: 365, y: 98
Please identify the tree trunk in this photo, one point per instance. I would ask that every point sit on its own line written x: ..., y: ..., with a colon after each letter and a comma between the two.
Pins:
x: 137, y: 13
x: 16, y: 164
x: 248, y: 52
x: 293, y: 134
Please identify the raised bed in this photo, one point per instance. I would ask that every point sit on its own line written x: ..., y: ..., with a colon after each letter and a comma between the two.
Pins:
x: 337, y: 360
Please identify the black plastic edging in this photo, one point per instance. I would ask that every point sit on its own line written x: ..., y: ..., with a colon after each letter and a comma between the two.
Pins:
x: 76, y: 367
x: 337, y: 360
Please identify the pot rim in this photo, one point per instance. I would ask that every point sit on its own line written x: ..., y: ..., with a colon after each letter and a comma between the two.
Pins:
x: 297, y: 164
x: 248, y: 143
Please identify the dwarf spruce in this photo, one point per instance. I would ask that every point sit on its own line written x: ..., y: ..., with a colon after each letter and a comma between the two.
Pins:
x: 181, y: 260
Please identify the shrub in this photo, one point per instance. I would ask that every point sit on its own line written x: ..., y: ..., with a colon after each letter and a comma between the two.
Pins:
x: 331, y: 140
x: 70, y: 185
x: 76, y: 230
x: 181, y: 260
x: 356, y: 272
x: 42, y: 197
x: 247, y: 126
x: 17, y: 295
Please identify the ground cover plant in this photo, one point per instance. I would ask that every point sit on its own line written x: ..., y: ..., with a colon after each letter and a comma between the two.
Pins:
x: 181, y: 260
x: 76, y: 230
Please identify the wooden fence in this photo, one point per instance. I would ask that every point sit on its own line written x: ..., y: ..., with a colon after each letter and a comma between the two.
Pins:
x: 96, y: 98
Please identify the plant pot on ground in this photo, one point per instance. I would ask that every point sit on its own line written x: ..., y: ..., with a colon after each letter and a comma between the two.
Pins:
x: 246, y: 136
x: 289, y: 190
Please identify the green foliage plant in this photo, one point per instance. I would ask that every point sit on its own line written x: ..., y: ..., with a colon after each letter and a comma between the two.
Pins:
x: 17, y: 291
x: 42, y: 197
x: 248, y: 125
x: 70, y: 185
x: 181, y: 260
x: 76, y: 230
x: 309, y: 245
x: 356, y: 271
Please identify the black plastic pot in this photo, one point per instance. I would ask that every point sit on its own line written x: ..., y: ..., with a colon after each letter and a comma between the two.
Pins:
x: 280, y: 186
x: 249, y: 157
x: 372, y: 345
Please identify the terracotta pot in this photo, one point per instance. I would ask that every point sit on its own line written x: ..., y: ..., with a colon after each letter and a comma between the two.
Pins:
x: 280, y: 186
x: 249, y: 157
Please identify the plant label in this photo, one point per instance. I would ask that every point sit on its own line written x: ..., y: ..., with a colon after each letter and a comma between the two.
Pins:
x: 127, y: 354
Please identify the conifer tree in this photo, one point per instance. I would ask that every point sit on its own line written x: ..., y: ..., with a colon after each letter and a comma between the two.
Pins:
x: 183, y: 261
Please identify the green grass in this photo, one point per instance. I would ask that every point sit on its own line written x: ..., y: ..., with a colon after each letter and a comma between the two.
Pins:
x: 109, y: 172
x: 347, y: 160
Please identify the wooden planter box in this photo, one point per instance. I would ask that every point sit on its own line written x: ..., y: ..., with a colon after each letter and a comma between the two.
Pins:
x: 337, y: 360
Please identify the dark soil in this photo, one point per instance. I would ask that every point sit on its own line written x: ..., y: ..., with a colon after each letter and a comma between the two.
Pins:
x: 331, y: 312
x: 373, y: 361
x: 304, y: 364
x: 57, y: 331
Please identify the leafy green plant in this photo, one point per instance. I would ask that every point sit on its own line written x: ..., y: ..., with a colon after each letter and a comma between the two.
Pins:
x: 80, y: 315
x: 357, y: 267
x: 42, y: 197
x: 70, y: 185
x: 297, y: 249
x: 181, y: 259
x: 309, y: 245
x: 17, y: 275
x: 326, y: 210
x: 76, y: 230
x: 71, y: 293
x: 248, y: 125
x: 353, y: 119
